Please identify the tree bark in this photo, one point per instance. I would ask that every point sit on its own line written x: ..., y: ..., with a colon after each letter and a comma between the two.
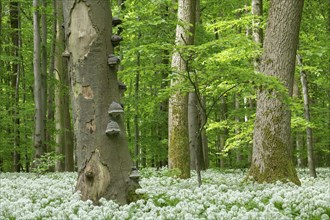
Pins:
x: 103, y: 160
x: 178, y: 149
x: 309, y: 134
x: 43, y: 69
x: 15, y: 79
x: 39, y: 131
x: 271, y: 138
x: 195, y: 117
x: 238, y: 152
x: 223, y: 135
x: 64, y: 136
x: 257, y: 32
x: 195, y: 141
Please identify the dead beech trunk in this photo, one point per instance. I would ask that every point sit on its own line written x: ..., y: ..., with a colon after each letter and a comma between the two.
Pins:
x: 103, y: 160
x: 271, y: 139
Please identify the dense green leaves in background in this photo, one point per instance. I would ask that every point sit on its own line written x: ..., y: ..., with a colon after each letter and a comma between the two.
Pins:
x: 222, y: 64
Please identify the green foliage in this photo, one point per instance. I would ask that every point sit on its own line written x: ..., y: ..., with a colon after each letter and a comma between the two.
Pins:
x: 46, y: 162
x: 220, y: 66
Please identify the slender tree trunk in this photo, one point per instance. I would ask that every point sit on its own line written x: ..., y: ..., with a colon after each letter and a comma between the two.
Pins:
x: 43, y: 69
x: 271, y: 140
x: 15, y: 79
x: 195, y: 141
x: 239, y: 156
x: 64, y: 134
x: 58, y: 73
x: 297, y: 136
x: 103, y: 159
x: 51, y: 80
x: 224, y: 133
x: 136, y: 116
x: 205, y: 147
x: 178, y: 149
x: 257, y: 32
x: 1, y: 34
x: 309, y: 135
x: 39, y: 132
x: 194, y: 118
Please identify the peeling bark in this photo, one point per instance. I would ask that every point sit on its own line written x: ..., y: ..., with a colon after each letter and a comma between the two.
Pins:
x: 103, y: 161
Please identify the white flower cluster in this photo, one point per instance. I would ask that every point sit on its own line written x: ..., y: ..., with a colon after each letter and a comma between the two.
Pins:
x: 223, y: 195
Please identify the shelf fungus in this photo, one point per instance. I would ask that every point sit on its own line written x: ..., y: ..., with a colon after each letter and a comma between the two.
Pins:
x: 115, y: 110
x: 66, y: 53
x: 115, y: 40
x: 135, y: 175
x: 116, y: 21
x: 113, y: 60
x: 112, y: 128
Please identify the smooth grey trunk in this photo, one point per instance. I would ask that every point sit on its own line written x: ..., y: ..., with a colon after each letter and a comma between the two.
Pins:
x: 298, y: 137
x: 194, y: 117
x: 136, y: 116
x: 50, y: 76
x: 43, y: 69
x: 195, y: 141
x: 178, y: 141
x: 223, y: 134
x: 58, y: 50
x: 257, y: 32
x: 39, y: 131
x: 309, y: 134
x: 205, y: 147
x: 271, y: 138
x: 136, y: 122
x: 103, y: 160
x: 64, y: 136
x: 239, y: 156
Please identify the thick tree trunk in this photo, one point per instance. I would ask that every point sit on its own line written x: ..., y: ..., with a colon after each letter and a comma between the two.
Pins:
x: 271, y: 140
x: 309, y: 135
x: 39, y: 132
x: 103, y: 159
x: 178, y: 149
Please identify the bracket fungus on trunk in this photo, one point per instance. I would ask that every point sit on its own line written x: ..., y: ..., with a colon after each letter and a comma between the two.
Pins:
x: 115, y: 40
x: 122, y: 88
x: 113, y: 60
x: 135, y: 175
x: 66, y: 53
x: 112, y: 128
x: 115, y: 110
x: 116, y: 21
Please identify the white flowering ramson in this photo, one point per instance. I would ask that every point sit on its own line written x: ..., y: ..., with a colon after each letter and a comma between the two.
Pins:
x: 223, y: 195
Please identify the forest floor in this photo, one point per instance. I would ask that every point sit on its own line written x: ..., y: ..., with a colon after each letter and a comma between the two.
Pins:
x: 223, y: 195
